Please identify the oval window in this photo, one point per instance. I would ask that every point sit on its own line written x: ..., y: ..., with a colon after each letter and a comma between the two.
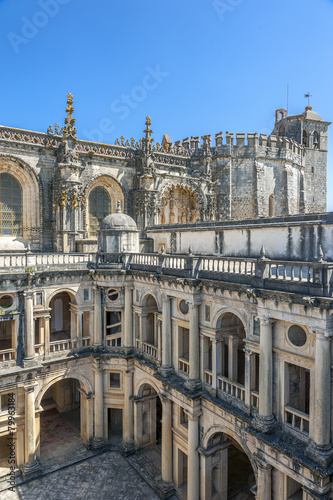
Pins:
x: 297, y: 335
x: 6, y: 301
x: 183, y: 307
x: 113, y: 295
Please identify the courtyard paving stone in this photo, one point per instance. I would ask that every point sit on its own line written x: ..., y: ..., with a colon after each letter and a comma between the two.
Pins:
x: 102, y: 477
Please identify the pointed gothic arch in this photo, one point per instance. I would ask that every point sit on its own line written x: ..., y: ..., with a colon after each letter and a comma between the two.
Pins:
x: 31, y: 221
x: 102, y: 195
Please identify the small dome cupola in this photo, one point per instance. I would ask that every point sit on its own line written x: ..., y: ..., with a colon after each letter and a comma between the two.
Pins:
x: 118, y: 233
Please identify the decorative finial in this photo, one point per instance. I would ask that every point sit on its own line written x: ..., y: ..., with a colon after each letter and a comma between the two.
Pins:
x: 118, y: 207
x: 190, y: 250
x: 148, y: 132
x: 162, y: 249
x: 69, y: 120
x: 262, y: 252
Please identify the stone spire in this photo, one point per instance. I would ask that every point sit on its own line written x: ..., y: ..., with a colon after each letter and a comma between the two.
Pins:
x: 148, y: 140
x: 69, y: 128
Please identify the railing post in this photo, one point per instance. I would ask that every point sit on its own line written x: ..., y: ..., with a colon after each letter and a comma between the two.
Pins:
x: 262, y: 269
x: 194, y: 266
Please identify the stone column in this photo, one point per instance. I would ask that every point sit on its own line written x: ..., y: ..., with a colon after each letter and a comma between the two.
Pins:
x: 91, y: 325
x: 194, y: 370
x: 264, y: 486
x: 202, y: 358
x: 265, y: 420
x: 166, y: 439
x: 224, y: 472
x: 128, y: 319
x: 29, y: 327
x: 41, y: 333
x: 47, y: 334
x: 193, y: 458
x: 31, y: 465
x: 159, y: 341
x: 320, y: 448
x: 232, y: 359
x: 143, y: 330
x: 215, y: 362
x: 97, y: 316
x: 98, y: 440
x: 128, y: 421
x: 248, y: 373
x: 79, y: 320
x: 73, y: 330
x: 166, y: 335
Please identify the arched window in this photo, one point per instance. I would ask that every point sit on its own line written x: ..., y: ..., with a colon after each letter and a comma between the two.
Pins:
x: 282, y: 131
x: 99, y: 207
x: 271, y: 206
x: 316, y: 143
x: 10, y: 206
x: 305, y: 138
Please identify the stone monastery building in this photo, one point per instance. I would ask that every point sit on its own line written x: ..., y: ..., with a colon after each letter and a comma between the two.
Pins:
x: 173, y: 299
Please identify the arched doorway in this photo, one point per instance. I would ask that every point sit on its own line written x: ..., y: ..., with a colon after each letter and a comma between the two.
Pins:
x: 150, y: 326
x: 60, y: 328
x: 148, y: 418
x: 228, y: 471
x: 62, y: 428
x: 231, y: 331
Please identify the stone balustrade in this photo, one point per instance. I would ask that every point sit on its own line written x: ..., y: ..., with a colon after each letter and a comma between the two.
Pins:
x: 296, y: 419
x: 233, y: 389
x: 63, y: 345
x: 8, y: 355
x: 37, y: 262
x: 313, y: 278
x: 183, y: 365
x: 149, y: 349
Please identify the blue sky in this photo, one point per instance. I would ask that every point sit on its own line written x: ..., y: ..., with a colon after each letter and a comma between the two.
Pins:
x: 195, y: 66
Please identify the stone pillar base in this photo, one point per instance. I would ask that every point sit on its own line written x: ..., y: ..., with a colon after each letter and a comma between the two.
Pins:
x: 193, y: 385
x: 98, y: 443
x: 30, y: 362
x: 323, y: 455
x: 127, y: 448
x: 264, y: 424
x: 29, y: 471
x: 165, y: 370
x: 166, y: 489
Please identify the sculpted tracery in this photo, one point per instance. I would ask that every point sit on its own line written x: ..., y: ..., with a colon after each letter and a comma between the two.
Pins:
x: 179, y: 204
